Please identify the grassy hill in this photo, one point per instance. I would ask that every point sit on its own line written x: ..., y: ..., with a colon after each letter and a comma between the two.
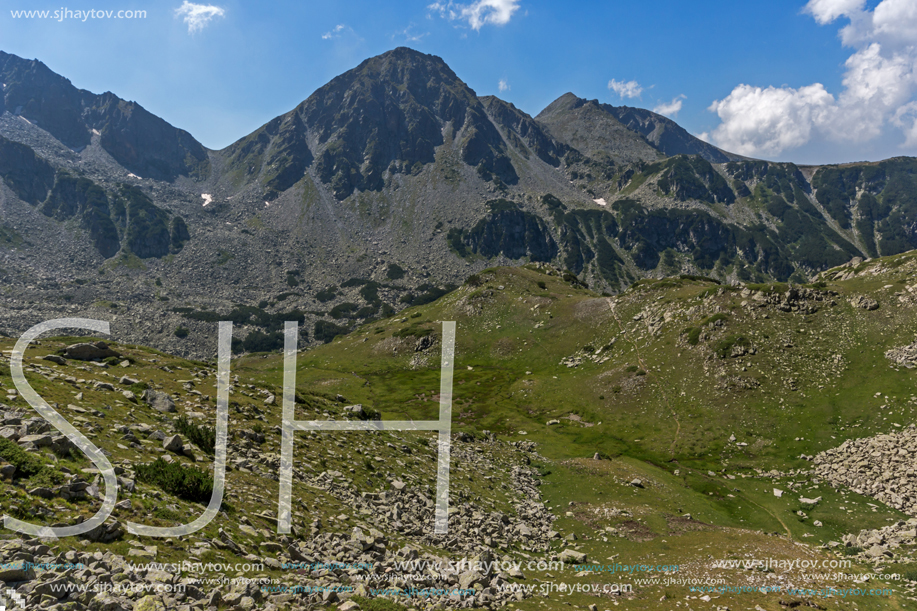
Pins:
x: 712, y: 396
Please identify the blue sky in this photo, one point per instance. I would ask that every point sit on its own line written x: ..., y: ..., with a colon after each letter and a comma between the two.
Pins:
x: 823, y: 81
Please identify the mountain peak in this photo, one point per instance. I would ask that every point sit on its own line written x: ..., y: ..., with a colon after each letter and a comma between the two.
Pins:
x: 570, y: 116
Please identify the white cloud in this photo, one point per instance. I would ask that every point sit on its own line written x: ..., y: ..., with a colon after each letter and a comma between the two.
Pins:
x: 879, y: 86
x: 503, y: 85
x: 768, y: 121
x: 826, y: 11
x: 906, y: 118
x: 197, y: 16
x: 670, y: 109
x: 478, y: 13
x: 335, y: 32
x: 629, y: 89
x: 409, y: 35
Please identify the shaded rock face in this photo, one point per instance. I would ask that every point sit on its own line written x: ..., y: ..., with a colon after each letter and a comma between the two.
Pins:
x: 82, y: 198
x: 148, y: 232
x: 89, y: 352
x: 688, y: 178
x: 514, y: 233
x: 509, y: 231
x: 29, y: 176
x: 107, y: 217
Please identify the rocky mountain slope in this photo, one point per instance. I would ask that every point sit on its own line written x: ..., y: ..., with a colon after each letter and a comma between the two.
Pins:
x: 386, y: 187
x: 681, y: 423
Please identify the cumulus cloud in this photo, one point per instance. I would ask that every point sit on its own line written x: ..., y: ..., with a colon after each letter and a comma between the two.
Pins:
x: 769, y: 121
x: 629, y: 89
x: 503, y: 85
x: 197, y: 16
x: 670, y: 109
x: 478, y: 13
x: 879, y: 86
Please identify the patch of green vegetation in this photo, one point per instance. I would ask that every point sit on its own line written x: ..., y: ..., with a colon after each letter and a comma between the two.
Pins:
x: 342, y: 310
x: 724, y: 347
x: 699, y: 278
x: 715, y: 318
x: 325, y: 331
x: 164, y: 513
x: 326, y: 295
x: 9, y: 237
x: 27, y: 465
x: 204, y: 437
x: 185, y: 482
x: 430, y: 294
x: 181, y: 332
x: 224, y: 257
x: 394, y: 272
x: 370, y: 292
x: 255, y: 222
x: 377, y: 604
x: 259, y: 341
x: 414, y: 330
x: 693, y: 335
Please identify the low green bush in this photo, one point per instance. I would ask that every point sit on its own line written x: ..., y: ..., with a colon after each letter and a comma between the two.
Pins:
x: 26, y: 464
x: 202, y: 436
x: 184, y: 482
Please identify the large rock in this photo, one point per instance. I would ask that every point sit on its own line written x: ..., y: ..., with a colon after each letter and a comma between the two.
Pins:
x: 106, y: 533
x: 89, y: 352
x: 174, y: 444
x: 41, y: 440
x: 159, y: 401
x: 866, y: 303
x: 573, y: 556
x: 15, y: 572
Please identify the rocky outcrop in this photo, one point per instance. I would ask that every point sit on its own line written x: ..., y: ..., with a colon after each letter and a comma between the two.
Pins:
x: 89, y: 352
x: 880, y: 466
x: 905, y: 356
x: 29, y: 176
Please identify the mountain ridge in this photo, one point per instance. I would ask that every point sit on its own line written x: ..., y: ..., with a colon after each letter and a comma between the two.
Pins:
x: 388, y: 185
